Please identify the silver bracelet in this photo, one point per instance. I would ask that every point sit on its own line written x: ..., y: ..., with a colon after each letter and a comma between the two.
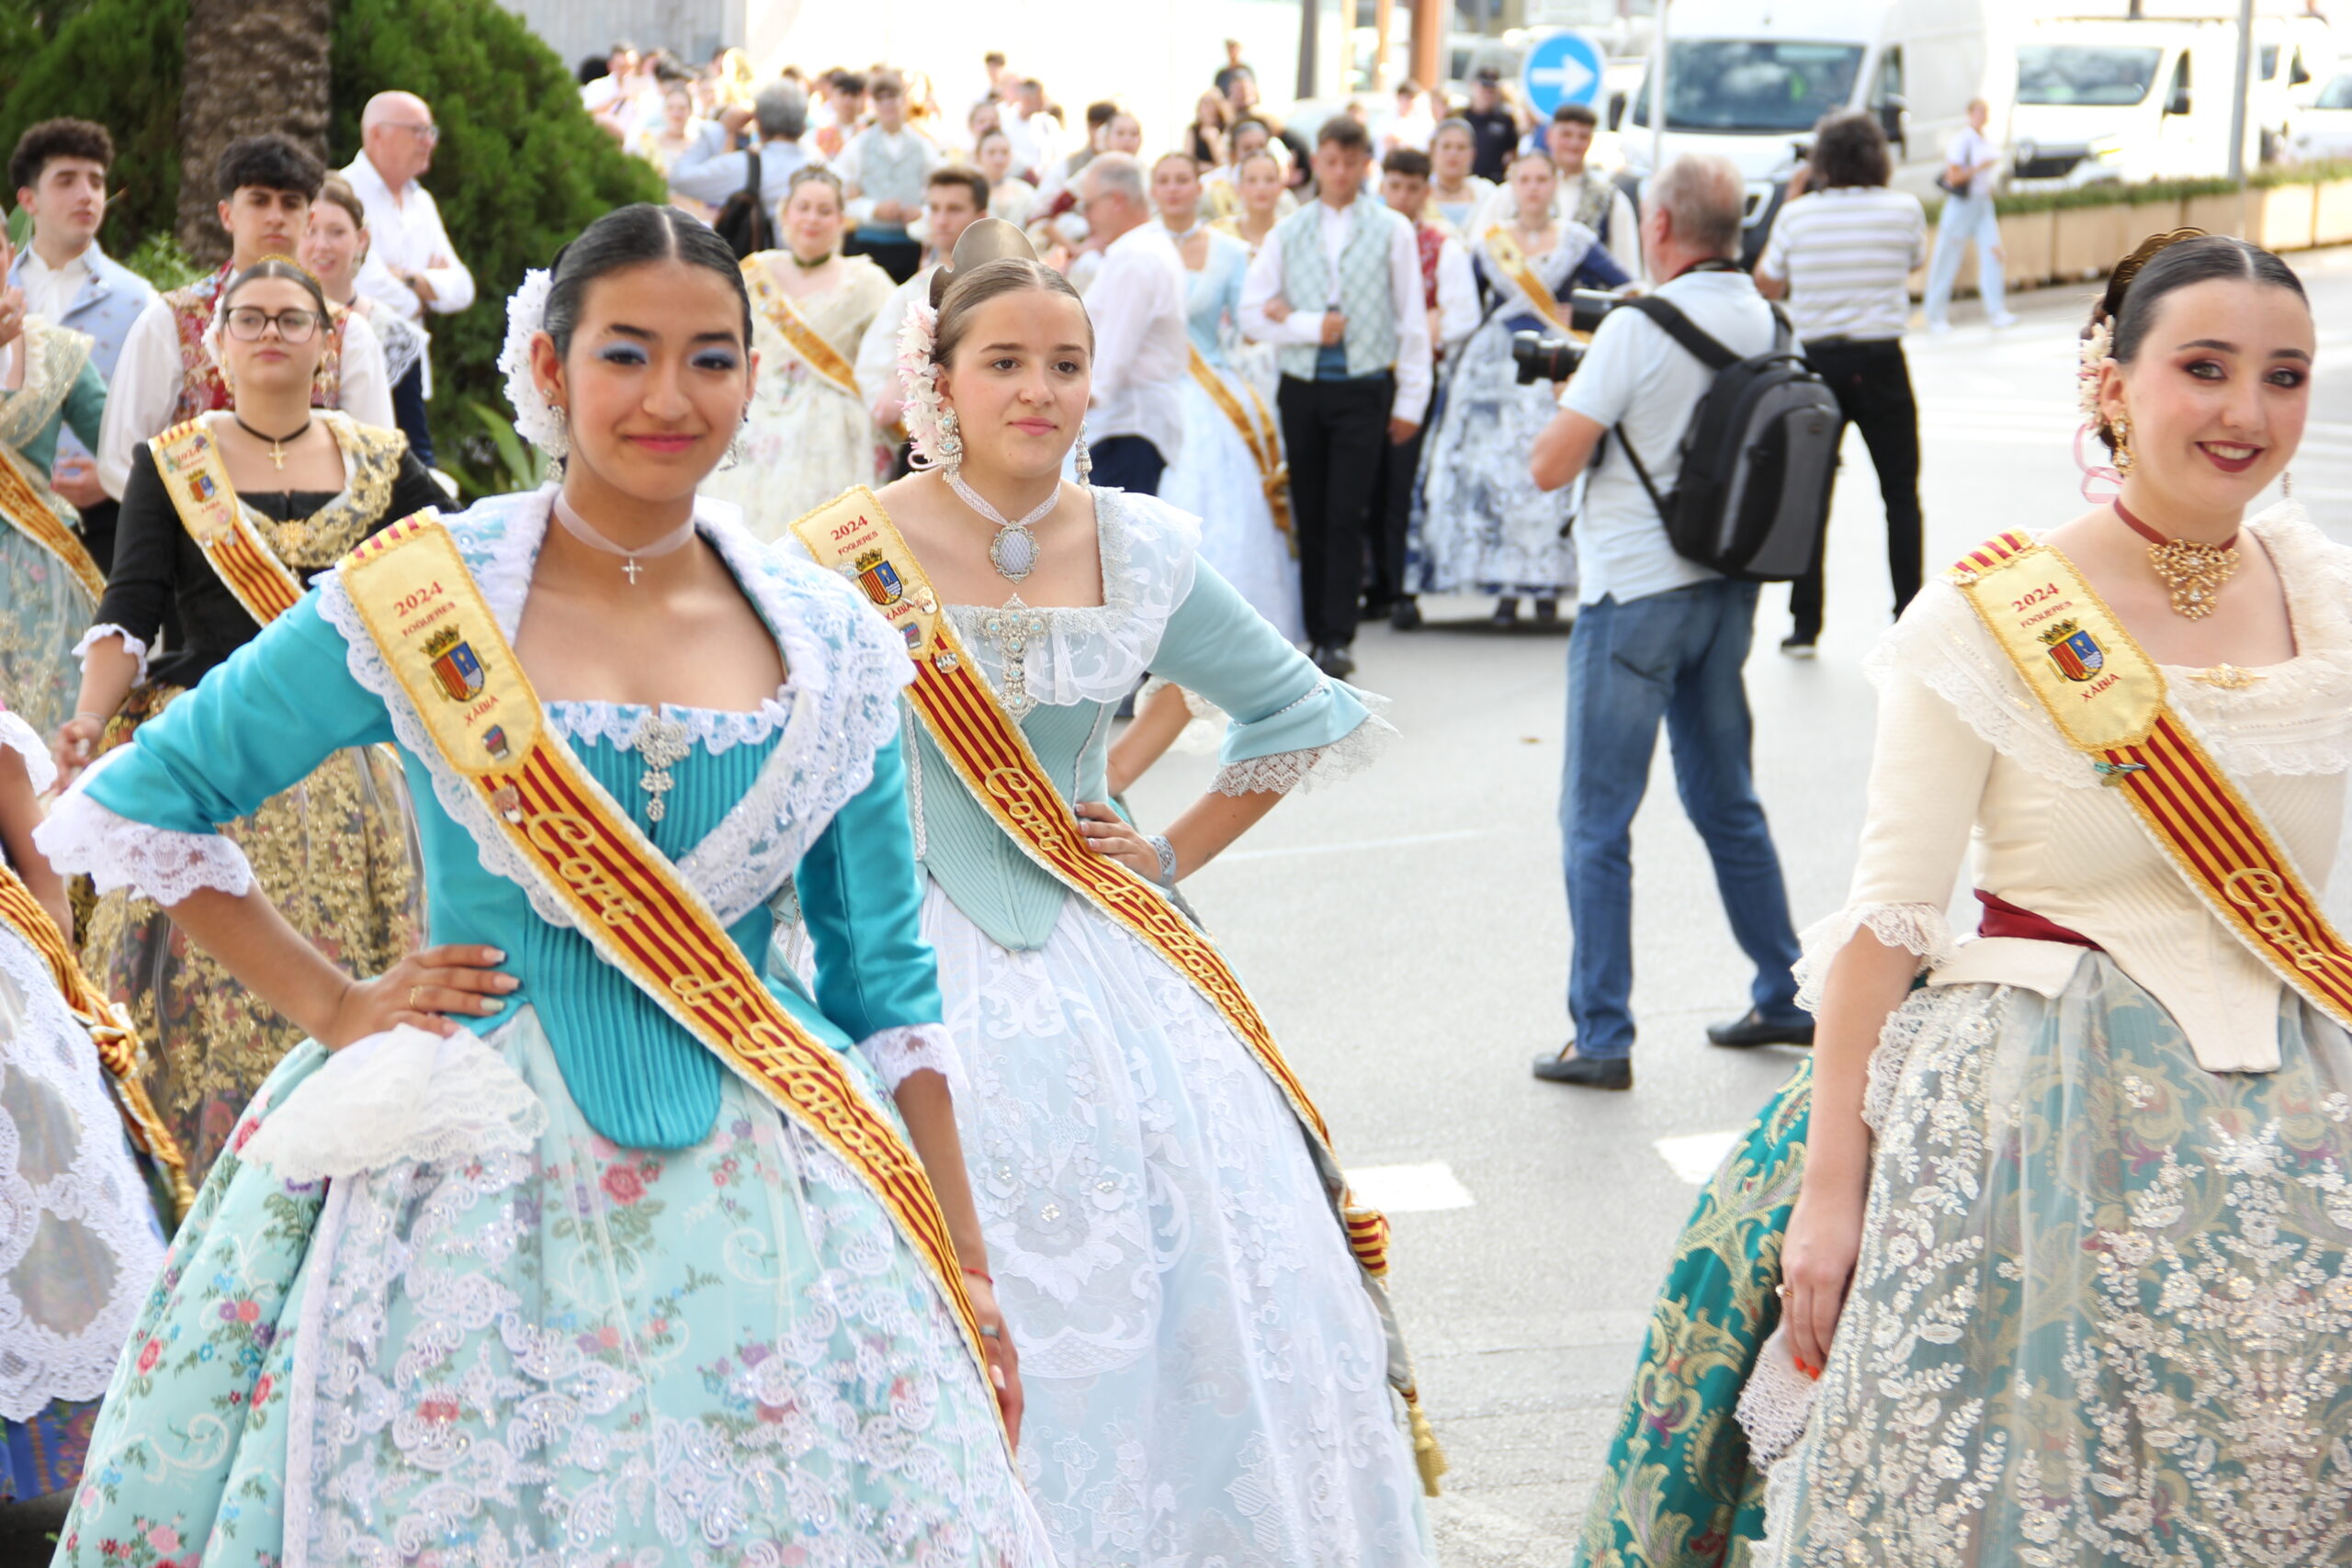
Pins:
x: 1167, y: 851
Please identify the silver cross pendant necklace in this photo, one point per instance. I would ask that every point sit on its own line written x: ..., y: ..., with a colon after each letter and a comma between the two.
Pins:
x: 580, y: 529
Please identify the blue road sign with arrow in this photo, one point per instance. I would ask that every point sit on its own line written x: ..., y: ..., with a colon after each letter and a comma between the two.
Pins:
x: 1563, y: 68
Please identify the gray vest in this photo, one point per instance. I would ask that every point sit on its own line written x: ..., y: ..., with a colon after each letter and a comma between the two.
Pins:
x: 1364, y: 288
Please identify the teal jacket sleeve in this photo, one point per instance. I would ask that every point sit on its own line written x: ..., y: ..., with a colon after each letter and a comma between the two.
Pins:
x: 1218, y: 646
x: 861, y: 895
x: 256, y: 724
x: 86, y: 405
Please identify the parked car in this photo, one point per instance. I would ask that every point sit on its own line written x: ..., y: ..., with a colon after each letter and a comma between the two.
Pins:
x: 2324, y: 129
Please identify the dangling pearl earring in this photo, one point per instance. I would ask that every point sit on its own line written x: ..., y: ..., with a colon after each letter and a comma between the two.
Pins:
x: 2287, y: 483
x: 1085, y: 458
x: 951, y: 440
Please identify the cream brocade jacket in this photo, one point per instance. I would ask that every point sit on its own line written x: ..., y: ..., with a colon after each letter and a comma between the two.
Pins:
x: 1967, y: 759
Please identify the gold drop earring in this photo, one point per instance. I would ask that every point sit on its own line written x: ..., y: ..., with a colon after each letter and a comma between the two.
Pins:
x: 2121, y: 426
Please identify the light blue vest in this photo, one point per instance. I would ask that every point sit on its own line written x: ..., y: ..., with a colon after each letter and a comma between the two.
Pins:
x: 1363, y: 286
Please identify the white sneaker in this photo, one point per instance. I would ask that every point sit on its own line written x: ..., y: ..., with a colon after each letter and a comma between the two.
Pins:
x: 2000, y: 322
x: 1939, y: 329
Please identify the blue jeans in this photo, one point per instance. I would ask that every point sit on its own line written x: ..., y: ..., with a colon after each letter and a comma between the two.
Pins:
x: 1966, y: 219
x: 1677, y: 657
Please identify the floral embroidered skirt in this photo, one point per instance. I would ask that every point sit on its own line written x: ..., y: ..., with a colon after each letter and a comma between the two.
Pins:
x: 2103, y: 1311
x: 46, y: 612
x: 1678, y: 1491
x: 1205, y: 1372
x: 559, y: 1351
x: 337, y: 854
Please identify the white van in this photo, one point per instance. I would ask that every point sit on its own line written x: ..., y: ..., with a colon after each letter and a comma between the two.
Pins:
x: 2120, y: 100
x: 1749, y: 80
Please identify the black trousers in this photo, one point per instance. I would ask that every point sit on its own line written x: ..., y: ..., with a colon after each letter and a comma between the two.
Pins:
x: 1128, y: 462
x: 1392, y: 518
x: 1873, y: 382
x: 1335, y: 434
x: 901, y: 258
x: 408, y: 412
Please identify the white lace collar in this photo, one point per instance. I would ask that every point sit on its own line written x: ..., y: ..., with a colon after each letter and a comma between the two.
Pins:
x: 2295, y: 718
x: 1096, y: 653
x: 839, y: 701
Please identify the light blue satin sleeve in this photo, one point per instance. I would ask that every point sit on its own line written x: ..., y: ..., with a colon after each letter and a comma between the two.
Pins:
x: 255, y: 725
x: 1219, y: 648
x: 861, y: 896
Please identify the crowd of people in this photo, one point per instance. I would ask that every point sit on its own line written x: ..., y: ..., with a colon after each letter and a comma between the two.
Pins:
x: 490, y: 1077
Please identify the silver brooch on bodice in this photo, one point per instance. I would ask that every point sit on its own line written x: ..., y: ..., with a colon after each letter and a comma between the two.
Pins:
x: 1013, y: 552
x: 1009, y: 631
x: 660, y: 741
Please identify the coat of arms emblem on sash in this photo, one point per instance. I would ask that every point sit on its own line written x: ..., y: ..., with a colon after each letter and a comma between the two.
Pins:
x: 455, y: 667
x: 879, y: 579
x: 2076, y: 652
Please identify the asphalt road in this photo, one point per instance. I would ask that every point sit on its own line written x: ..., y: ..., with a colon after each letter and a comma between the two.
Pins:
x: 1406, y: 934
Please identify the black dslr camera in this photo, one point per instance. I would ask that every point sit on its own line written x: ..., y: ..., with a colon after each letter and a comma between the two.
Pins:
x: 1539, y: 359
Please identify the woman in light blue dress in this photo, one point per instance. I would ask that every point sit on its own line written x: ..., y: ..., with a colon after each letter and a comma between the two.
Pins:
x: 1215, y: 477
x: 504, y: 1266
x: 1481, y: 526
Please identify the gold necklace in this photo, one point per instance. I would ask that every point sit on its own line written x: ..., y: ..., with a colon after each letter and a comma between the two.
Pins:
x: 2195, y: 572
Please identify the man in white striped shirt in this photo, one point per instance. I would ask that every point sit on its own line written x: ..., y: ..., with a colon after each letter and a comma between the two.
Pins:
x: 1842, y: 254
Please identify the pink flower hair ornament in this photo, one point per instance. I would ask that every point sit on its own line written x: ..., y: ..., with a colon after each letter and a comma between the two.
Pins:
x: 918, y: 384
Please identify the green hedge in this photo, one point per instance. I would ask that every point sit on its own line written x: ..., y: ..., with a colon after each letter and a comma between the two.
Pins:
x: 519, y: 170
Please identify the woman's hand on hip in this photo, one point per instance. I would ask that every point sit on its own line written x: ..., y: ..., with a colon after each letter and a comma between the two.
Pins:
x: 1108, y: 833
x: 422, y: 990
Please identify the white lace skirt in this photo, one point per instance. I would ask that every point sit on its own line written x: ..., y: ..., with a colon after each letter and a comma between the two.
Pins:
x: 1205, y: 1369
x: 1215, y: 480
x: 79, y: 1245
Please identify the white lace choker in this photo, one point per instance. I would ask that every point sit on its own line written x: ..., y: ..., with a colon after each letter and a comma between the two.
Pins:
x: 1014, y: 551
x: 579, y: 530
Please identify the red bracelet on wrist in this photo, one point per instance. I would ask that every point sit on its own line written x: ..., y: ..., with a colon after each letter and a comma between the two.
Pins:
x: 983, y: 1276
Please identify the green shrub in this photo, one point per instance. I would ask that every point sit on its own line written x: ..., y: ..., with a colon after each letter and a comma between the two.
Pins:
x: 116, y: 61
x: 520, y: 169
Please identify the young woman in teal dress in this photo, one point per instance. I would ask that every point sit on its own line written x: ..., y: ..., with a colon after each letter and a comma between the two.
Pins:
x: 504, y: 1265
x: 2047, y: 1261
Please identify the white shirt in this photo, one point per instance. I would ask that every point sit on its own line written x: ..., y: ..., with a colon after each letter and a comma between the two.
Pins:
x: 1263, y: 286
x: 405, y: 234
x: 1142, y: 354
x: 146, y: 387
x: 50, y: 291
x: 707, y: 171
x: 1457, y: 294
x: 1636, y: 377
x: 849, y: 165
x: 1847, y: 256
x: 1036, y: 142
x: 1974, y: 151
x: 877, y: 351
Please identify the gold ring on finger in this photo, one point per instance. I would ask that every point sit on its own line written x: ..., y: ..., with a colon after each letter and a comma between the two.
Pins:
x: 1782, y: 1292
x: 411, y: 993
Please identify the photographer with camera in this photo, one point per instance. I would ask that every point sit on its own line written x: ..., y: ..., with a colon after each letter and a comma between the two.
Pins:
x: 1842, y: 252
x: 1658, y: 635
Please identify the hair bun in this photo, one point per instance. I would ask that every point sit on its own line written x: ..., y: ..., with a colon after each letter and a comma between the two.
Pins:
x: 986, y: 240
x: 2119, y: 281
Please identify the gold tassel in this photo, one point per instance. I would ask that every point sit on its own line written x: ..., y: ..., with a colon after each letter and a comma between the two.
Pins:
x: 1426, y: 1453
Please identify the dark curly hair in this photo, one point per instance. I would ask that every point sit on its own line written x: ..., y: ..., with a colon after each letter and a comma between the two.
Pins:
x: 1849, y: 150
x: 2163, y: 263
x: 270, y: 162
x: 53, y: 138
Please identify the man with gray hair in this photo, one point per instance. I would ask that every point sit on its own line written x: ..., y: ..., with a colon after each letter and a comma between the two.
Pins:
x: 1659, y: 637
x: 411, y: 266
x: 707, y: 171
x: 1141, y: 352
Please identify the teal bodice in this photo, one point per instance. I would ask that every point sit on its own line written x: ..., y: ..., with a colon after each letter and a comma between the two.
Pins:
x: 807, y: 798
x: 1213, y: 296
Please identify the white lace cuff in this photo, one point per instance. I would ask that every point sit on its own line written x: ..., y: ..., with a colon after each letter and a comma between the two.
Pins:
x: 98, y: 634
x: 18, y: 736
x: 1316, y: 766
x: 1775, y: 1403
x: 1917, y: 928
x: 898, y: 1054
x: 404, y: 1096
x: 83, y: 836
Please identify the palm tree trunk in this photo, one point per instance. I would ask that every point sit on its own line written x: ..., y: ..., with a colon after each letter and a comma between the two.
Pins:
x: 253, y: 65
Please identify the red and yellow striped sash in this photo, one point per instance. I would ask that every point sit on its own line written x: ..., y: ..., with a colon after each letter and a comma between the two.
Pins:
x: 1507, y: 254
x: 23, y: 507
x: 108, y: 1029
x: 996, y: 762
x: 1258, y: 435
x: 2107, y: 699
x: 421, y: 607
x: 189, y: 461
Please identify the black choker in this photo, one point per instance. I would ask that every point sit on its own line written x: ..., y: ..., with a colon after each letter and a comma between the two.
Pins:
x: 277, y: 442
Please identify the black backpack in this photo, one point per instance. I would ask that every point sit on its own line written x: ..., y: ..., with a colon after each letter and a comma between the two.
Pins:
x: 743, y: 221
x: 1758, y: 456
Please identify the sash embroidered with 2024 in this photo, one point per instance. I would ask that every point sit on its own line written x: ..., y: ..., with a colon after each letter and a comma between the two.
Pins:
x: 108, y: 1029
x: 1258, y: 435
x: 2108, y: 698
x: 197, y: 480
x: 980, y: 740
x: 23, y: 507
x: 426, y: 614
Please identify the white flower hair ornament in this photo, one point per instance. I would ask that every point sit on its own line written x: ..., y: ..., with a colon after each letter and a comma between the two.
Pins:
x: 918, y: 384
x: 537, y: 421
x: 2098, y: 346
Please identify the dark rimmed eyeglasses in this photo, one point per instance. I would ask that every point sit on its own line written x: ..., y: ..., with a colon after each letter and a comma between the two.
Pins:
x: 245, y: 324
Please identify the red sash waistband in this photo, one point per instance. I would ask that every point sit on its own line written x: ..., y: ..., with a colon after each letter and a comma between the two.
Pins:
x: 2005, y: 919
